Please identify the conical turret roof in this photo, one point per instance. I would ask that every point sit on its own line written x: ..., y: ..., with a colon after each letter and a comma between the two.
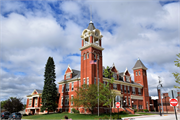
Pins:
x: 139, y: 65
x: 91, y: 26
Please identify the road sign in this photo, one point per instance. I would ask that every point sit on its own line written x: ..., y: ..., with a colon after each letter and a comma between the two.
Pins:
x: 117, y: 99
x: 171, y: 93
x: 173, y: 102
x: 118, y: 104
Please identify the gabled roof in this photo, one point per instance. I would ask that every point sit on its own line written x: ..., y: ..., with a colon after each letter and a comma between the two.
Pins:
x: 91, y: 26
x: 39, y: 91
x: 139, y: 65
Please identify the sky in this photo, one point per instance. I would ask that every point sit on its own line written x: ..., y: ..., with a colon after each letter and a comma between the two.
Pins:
x: 32, y: 31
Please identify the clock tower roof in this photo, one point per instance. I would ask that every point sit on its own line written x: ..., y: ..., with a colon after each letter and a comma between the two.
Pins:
x: 139, y: 65
x: 91, y: 26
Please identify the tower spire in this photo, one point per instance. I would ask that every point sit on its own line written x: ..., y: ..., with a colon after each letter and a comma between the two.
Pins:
x: 90, y: 14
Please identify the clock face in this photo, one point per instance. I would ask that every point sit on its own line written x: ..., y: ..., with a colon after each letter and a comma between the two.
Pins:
x: 96, y: 33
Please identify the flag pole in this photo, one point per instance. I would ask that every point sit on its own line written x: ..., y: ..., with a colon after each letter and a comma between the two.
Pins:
x: 98, y: 84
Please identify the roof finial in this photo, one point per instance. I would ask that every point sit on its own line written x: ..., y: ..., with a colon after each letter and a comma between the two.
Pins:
x: 138, y: 58
x: 113, y: 65
x: 90, y: 14
x: 68, y: 65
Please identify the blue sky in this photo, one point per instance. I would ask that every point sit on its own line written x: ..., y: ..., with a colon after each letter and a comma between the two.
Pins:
x: 31, y: 31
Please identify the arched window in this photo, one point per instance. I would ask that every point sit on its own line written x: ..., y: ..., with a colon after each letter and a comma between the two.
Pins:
x: 139, y: 73
x: 98, y: 56
x: 84, y: 56
x: 87, y: 55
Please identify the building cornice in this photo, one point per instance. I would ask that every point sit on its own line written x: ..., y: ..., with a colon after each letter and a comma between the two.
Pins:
x: 123, y: 83
x: 140, y: 68
x: 91, y: 45
x: 136, y: 97
x: 67, y: 81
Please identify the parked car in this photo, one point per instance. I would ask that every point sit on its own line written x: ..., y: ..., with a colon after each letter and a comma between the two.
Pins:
x: 5, y: 115
x: 15, y: 116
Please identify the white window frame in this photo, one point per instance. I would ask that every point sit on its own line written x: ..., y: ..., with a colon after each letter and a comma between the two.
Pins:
x: 121, y: 88
x: 87, y: 55
x: 87, y: 80
x: 30, y: 102
x: 84, y: 56
x: 98, y: 56
x: 125, y: 89
x: 127, y: 78
x: 114, y: 86
x: 95, y: 80
x: 136, y: 73
x: 139, y: 91
x: 61, y: 101
x: 84, y: 80
x: 72, y: 86
x: 67, y: 87
x: 67, y: 100
x: 128, y: 90
x: 133, y: 90
x: 139, y: 73
x: 71, y: 100
x: 68, y: 75
x: 62, y: 88
x: 36, y: 100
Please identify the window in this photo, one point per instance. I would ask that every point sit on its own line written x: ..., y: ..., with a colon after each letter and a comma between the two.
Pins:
x: 30, y: 102
x: 84, y: 56
x: 72, y: 100
x: 127, y: 79
x: 68, y: 75
x: 129, y: 101
x: 84, y: 80
x: 139, y: 73
x: 133, y: 90
x: 134, y: 106
x: 94, y: 56
x: 94, y: 80
x: 126, y: 100
x: 72, y: 86
x: 124, y: 88
x: 67, y: 87
x: 136, y: 73
x: 79, y: 83
x: 115, y: 76
x: 36, y: 101
x: 128, y: 90
x: 62, y: 101
x: 121, y: 88
x: 139, y: 91
x: 87, y: 81
x: 98, y: 57
x: 67, y: 100
x: 140, y: 107
x: 115, y: 86
x: 87, y: 55
x: 62, y: 88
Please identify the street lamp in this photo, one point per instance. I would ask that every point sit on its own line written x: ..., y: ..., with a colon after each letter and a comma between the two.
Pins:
x: 124, y: 102
x: 132, y: 104
x: 158, y: 96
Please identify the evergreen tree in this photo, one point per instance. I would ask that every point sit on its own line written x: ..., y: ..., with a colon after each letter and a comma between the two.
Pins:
x: 49, y: 94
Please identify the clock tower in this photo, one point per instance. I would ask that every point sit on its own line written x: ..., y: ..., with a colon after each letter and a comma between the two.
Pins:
x: 91, y: 50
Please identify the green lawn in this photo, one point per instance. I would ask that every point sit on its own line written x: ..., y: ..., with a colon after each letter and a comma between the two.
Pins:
x: 145, y: 113
x: 73, y: 116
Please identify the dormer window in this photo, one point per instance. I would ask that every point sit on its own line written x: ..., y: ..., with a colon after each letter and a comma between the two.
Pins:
x: 127, y: 79
x: 84, y: 56
x: 68, y: 75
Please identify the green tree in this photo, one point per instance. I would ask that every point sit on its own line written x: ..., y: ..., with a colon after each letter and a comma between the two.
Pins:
x: 106, y: 94
x: 86, y: 96
x: 13, y: 104
x: 177, y: 74
x: 49, y: 94
x: 2, y: 103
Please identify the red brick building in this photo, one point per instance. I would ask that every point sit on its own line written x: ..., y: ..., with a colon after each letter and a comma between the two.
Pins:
x: 133, y: 93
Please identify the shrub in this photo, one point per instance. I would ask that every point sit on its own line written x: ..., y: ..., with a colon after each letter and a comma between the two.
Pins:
x: 25, y: 115
x: 146, y: 110
x: 141, y: 110
x: 75, y: 111
x: 116, y: 117
x: 135, y: 110
x: 123, y: 112
x: 105, y: 117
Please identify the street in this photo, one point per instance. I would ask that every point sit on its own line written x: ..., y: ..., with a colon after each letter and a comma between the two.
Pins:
x: 155, y: 117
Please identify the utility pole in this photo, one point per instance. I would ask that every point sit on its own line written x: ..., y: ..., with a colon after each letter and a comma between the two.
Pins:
x: 160, y: 84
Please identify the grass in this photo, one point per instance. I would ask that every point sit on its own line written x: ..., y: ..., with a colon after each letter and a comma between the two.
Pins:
x: 145, y: 113
x: 72, y: 116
